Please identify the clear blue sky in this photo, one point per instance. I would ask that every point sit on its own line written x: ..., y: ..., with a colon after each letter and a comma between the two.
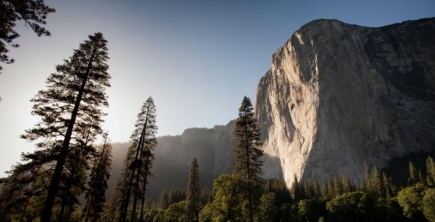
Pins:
x: 197, y: 59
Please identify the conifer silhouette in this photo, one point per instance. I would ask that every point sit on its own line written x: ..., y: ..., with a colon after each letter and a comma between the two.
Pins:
x: 97, y: 183
x: 32, y: 12
x: 70, y: 110
x: 193, y: 198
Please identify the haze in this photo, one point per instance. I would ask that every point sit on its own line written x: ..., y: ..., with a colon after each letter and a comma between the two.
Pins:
x: 197, y: 59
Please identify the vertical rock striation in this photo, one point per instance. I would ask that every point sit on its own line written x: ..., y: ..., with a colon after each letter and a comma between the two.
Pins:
x: 339, y: 94
x: 213, y: 148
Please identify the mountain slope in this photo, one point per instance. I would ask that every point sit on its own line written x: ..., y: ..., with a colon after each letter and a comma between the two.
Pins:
x: 338, y: 95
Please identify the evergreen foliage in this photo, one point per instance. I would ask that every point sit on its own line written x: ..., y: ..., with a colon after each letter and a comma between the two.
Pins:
x: 247, y: 155
x: 193, y: 198
x: 140, y: 159
x: 32, y: 12
x: 352, y: 203
x: 119, y: 196
x: 70, y: 111
x: 97, y: 183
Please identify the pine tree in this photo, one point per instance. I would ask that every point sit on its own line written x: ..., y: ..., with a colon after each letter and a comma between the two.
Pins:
x: 248, y: 154
x: 163, y: 202
x: 325, y: 189
x: 119, y: 196
x: 32, y: 12
x: 193, y: 200
x: 331, y: 188
x: 308, y: 189
x: 70, y: 111
x: 347, y: 186
x: 148, y: 159
x: 205, y: 196
x: 338, y: 186
x: 368, y: 176
x: 143, y: 141
x: 413, y: 173
x: 13, y: 194
x: 97, y: 184
x: 296, y: 189
x: 430, y: 171
x: 317, y: 192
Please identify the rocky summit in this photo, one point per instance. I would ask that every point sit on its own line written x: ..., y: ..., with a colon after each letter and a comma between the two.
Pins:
x: 338, y: 95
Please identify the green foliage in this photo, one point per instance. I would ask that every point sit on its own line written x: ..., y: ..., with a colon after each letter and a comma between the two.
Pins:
x: 160, y: 216
x: 354, y: 206
x: 177, y: 212
x: 206, y: 214
x: 193, y: 198
x: 411, y: 200
x: 226, y: 205
x: 163, y: 202
x: 429, y: 205
x: 310, y: 210
x: 430, y: 171
x: 175, y: 195
x: 338, y: 200
x: 413, y: 174
x: 267, y: 209
x: 297, y: 189
x: 247, y: 155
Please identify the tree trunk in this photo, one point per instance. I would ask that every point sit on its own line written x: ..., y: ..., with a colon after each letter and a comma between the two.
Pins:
x: 136, y: 187
x: 88, y: 211
x: 144, y: 184
x: 68, y: 216
x: 124, y: 213
x: 24, y: 211
x: 62, y: 210
x: 54, y: 184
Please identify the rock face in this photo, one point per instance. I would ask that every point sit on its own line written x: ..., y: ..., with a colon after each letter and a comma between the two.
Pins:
x: 338, y: 95
x: 213, y: 148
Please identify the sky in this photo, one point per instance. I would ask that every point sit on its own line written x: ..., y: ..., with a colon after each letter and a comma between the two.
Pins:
x: 197, y: 59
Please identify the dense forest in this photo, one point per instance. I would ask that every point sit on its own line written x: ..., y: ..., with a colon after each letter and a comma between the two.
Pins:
x: 379, y: 198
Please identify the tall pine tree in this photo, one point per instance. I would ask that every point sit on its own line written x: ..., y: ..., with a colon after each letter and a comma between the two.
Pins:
x: 143, y: 141
x: 193, y: 198
x: 70, y: 109
x: 97, y: 183
x: 248, y: 153
x: 148, y: 158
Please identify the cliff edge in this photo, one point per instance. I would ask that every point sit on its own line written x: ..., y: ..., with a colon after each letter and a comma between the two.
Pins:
x: 338, y: 95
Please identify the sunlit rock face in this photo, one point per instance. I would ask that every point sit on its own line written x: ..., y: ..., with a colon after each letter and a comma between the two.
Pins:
x: 337, y: 95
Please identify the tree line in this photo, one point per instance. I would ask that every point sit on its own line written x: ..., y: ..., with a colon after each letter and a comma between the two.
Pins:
x: 377, y: 198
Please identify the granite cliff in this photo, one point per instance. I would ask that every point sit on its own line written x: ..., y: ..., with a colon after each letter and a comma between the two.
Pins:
x: 212, y: 147
x: 338, y: 95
